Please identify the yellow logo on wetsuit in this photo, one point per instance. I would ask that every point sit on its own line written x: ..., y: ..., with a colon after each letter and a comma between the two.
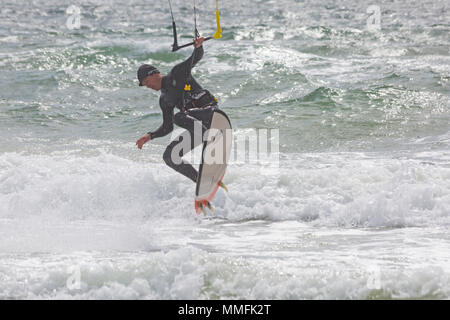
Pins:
x: 187, y: 87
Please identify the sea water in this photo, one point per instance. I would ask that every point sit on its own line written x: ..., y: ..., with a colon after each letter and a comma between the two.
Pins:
x: 357, y: 207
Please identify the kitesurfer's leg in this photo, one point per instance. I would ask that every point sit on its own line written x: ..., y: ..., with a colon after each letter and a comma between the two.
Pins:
x: 174, y: 153
x: 192, y: 121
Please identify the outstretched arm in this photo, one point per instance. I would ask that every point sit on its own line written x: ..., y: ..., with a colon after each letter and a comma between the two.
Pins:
x: 164, y: 129
x: 167, y: 125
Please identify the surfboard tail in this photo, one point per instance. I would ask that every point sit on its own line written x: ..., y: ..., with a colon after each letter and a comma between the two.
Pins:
x: 202, y: 202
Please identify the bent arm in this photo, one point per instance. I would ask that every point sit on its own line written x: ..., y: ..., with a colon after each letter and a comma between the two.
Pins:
x: 197, y: 55
x: 183, y: 69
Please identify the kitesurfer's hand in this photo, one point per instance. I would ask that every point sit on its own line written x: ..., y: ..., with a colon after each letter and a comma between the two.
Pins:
x: 145, y: 138
x: 198, y: 42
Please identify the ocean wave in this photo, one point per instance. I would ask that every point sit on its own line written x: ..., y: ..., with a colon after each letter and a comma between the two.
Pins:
x: 344, y: 190
x: 192, y: 273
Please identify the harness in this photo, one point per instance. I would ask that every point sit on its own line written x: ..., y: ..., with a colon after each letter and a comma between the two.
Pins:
x: 197, y: 100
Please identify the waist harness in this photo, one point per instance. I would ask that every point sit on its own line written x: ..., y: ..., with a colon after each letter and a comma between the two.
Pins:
x: 200, y: 99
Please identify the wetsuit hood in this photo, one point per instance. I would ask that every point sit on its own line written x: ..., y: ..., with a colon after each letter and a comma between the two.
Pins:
x: 144, y: 71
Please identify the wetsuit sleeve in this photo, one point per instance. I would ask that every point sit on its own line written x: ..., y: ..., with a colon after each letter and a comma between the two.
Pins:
x: 183, y: 70
x: 167, y: 125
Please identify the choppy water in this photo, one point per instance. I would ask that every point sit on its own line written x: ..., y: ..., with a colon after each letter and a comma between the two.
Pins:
x: 359, y: 208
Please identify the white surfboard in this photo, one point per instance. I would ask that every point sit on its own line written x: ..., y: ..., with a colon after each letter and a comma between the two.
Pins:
x: 215, y: 155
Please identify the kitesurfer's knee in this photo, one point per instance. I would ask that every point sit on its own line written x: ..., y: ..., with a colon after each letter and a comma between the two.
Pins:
x: 167, y: 156
x: 180, y: 119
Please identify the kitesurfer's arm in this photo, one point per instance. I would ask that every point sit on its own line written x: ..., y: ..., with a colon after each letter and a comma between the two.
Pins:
x: 164, y: 129
x: 198, y: 51
x: 183, y: 69
x: 167, y: 125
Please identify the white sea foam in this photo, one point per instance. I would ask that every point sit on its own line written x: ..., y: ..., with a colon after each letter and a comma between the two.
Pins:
x: 330, y: 265
x: 83, y: 214
x: 347, y: 189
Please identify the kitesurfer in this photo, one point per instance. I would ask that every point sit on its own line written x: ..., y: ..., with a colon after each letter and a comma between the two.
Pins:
x: 180, y: 90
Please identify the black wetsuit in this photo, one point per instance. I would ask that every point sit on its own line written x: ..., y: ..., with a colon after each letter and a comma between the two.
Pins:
x: 173, y: 96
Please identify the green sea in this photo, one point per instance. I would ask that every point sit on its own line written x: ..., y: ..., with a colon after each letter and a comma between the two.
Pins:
x: 357, y: 208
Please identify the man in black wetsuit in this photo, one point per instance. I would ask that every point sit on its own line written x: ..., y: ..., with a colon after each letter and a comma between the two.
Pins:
x: 179, y: 90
